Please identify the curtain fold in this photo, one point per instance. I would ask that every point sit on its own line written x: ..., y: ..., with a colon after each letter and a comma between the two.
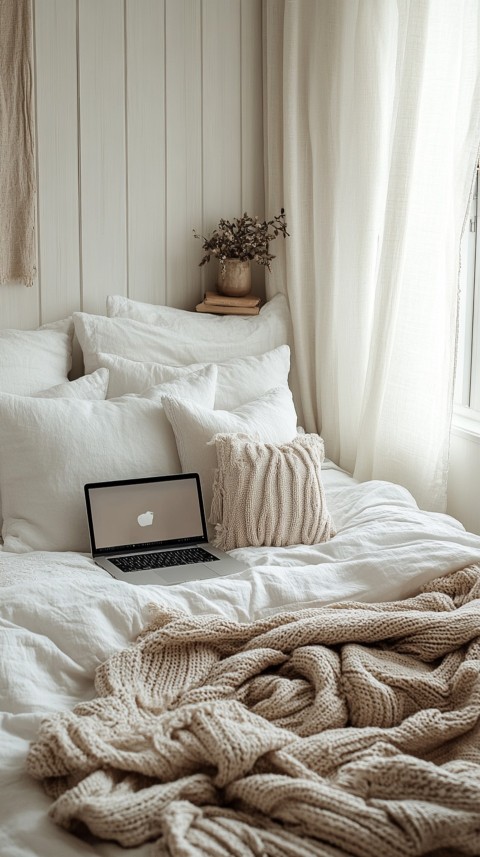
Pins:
x: 17, y: 160
x: 372, y: 131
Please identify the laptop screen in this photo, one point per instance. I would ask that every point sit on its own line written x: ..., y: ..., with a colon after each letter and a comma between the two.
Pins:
x: 144, y: 514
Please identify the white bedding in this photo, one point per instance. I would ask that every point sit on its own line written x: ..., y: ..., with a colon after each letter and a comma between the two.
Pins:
x: 61, y: 616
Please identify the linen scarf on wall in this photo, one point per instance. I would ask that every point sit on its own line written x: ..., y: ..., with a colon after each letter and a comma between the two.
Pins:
x: 17, y: 163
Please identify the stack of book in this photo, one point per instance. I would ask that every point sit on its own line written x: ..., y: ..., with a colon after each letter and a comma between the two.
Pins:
x: 225, y: 305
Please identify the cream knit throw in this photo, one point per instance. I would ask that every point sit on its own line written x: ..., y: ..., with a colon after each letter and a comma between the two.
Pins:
x: 346, y: 730
x: 268, y: 493
x: 17, y: 166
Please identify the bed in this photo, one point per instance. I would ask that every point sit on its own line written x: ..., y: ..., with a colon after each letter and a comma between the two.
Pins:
x: 323, y: 701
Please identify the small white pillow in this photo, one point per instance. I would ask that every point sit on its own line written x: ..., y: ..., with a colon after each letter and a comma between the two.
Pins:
x: 178, y: 337
x: 93, y: 386
x: 239, y: 380
x: 271, y: 417
x: 49, y: 448
x: 269, y: 494
x: 33, y: 360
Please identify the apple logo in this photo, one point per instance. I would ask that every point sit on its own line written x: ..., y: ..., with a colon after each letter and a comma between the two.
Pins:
x: 145, y: 519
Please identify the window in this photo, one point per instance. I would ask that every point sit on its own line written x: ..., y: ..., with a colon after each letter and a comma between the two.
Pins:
x: 467, y: 385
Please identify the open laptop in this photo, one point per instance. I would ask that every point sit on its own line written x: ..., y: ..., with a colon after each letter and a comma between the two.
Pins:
x: 153, y: 530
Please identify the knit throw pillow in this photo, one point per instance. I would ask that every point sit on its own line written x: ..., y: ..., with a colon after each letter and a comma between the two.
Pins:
x: 268, y: 493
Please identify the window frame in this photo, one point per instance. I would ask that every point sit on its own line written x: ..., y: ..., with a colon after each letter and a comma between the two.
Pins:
x: 467, y: 379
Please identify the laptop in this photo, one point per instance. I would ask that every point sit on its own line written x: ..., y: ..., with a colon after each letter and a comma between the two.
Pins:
x: 153, y: 530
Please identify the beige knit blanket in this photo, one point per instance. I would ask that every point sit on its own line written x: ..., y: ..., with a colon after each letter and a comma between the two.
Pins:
x: 352, y: 729
x: 17, y: 162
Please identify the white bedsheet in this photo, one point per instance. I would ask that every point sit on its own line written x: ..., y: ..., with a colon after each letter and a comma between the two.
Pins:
x: 61, y: 616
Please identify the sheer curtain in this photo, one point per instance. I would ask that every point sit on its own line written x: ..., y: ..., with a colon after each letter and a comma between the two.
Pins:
x: 372, y: 129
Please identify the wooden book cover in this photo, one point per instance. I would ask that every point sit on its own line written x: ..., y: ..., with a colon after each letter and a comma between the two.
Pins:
x: 217, y: 309
x: 227, y: 300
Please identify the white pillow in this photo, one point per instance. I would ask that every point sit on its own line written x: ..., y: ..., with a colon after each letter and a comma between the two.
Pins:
x: 269, y: 493
x: 270, y: 418
x: 135, y: 376
x: 179, y: 337
x: 49, y: 448
x: 93, y: 386
x: 182, y: 320
x: 238, y: 381
x: 33, y: 360
x: 89, y: 387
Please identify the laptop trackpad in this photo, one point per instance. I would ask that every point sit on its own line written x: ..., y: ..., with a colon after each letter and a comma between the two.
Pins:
x: 181, y: 574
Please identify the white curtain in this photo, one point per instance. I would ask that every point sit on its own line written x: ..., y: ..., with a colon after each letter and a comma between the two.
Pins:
x: 372, y: 129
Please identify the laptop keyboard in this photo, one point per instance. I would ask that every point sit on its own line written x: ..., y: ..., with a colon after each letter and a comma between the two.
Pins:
x: 164, y: 559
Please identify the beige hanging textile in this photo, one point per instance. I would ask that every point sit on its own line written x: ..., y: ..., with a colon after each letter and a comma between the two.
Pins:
x: 17, y: 161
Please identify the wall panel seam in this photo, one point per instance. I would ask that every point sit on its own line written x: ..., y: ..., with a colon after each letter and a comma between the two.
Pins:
x: 165, y: 155
x: 37, y: 164
x: 79, y: 159
x: 125, y: 120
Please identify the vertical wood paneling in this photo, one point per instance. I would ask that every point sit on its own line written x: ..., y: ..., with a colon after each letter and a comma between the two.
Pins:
x: 19, y: 306
x: 184, y: 152
x: 252, y: 107
x: 145, y: 41
x: 101, y: 42
x: 57, y: 181
x: 253, y: 192
x: 222, y: 114
x: 149, y: 124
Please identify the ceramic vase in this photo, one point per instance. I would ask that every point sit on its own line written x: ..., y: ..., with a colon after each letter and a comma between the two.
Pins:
x: 234, y: 278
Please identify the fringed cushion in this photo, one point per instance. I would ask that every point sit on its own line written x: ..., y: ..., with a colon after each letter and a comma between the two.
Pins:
x: 269, y: 494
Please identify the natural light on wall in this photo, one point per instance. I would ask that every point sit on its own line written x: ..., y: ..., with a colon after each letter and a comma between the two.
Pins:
x: 467, y: 383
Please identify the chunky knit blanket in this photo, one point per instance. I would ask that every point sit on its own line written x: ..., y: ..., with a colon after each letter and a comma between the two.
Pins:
x: 352, y: 729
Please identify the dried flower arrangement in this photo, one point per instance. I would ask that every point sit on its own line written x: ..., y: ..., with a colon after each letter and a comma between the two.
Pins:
x: 245, y: 238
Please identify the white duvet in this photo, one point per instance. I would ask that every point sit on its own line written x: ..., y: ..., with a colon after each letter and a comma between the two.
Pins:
x: 61, y: 616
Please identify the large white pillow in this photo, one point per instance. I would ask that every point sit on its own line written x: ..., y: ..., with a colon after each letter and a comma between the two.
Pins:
x: 184, y: 321
x: 178, y: 337
x: 238, y: 381
x: 49, y: 448
x: 270, y: 418
x: 92, y: 386
x: 33, y: 360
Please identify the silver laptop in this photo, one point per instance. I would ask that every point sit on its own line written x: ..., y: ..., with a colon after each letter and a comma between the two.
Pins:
x: 153, y: 530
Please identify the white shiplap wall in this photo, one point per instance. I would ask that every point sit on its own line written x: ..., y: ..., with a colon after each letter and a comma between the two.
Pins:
x: 148, y: 124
